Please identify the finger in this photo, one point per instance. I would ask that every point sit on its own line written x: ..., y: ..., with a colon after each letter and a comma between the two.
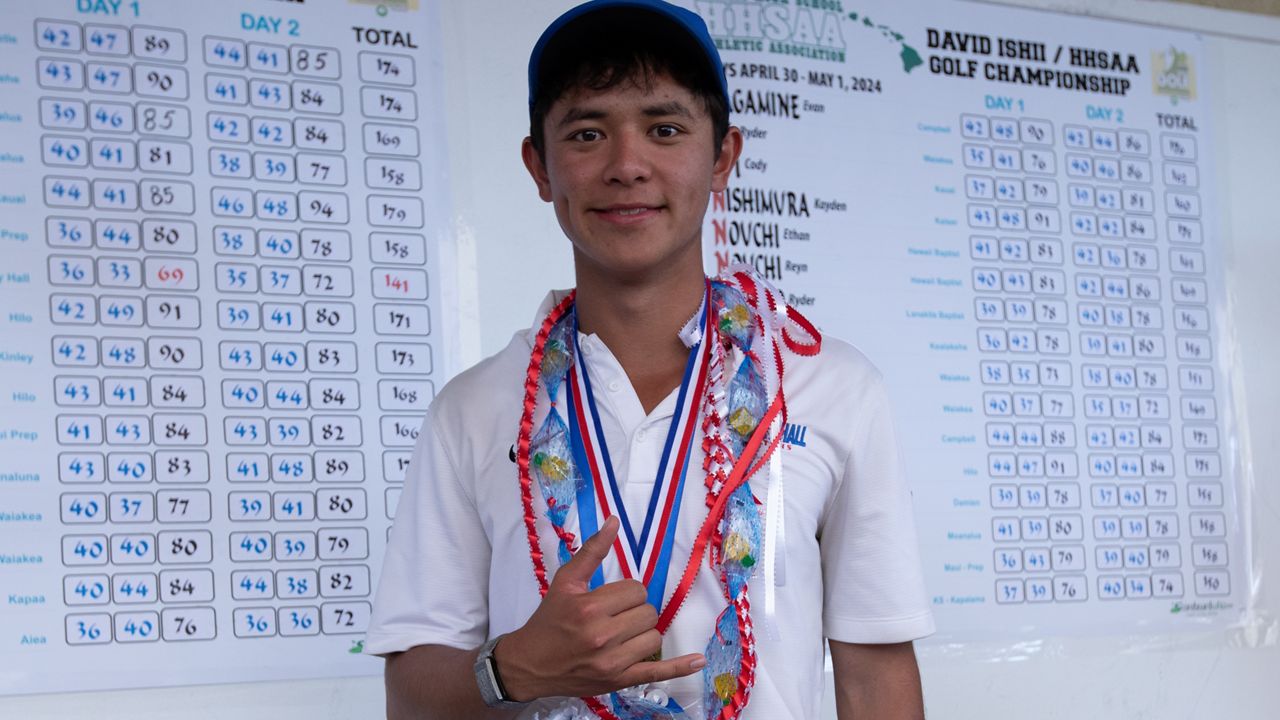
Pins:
x: 594, y: 550
x: 619, y: 596
x: 650, y: 671
x: 633, y: 622
x: 638, y: 648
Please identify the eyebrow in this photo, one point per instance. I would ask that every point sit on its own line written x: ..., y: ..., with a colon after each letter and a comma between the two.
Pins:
x: 674, y: 107
x: 666, y: 109
x: 575, y: 114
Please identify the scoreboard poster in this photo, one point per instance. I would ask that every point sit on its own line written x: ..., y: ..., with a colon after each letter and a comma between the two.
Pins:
x: 1012, y: 214
x: 224, y: 301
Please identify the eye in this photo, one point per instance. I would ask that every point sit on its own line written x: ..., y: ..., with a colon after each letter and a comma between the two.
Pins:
x: 667, y: 130
x: 586, y: 135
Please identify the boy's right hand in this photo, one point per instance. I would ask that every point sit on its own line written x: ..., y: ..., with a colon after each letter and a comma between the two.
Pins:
x: 583, y: 642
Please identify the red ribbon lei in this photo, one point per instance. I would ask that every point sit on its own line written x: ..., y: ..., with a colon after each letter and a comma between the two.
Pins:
x: 742, y: 469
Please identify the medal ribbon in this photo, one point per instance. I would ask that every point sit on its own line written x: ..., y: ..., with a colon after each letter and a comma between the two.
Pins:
x: 644, y: 555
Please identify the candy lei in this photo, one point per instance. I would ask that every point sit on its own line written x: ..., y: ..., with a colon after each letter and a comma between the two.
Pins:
x: 750, y: 326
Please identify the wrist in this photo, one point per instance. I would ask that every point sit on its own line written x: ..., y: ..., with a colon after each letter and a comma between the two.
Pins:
x: 489, y: 679
x: 517, y: 682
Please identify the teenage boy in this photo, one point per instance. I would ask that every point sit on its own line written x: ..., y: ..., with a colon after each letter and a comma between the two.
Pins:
x: 632, y: 555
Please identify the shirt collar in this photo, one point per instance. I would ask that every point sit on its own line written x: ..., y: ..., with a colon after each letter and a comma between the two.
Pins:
x: 690, y: 334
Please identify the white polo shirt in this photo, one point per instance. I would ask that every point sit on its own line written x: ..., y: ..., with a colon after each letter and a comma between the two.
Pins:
x: 457, y: 570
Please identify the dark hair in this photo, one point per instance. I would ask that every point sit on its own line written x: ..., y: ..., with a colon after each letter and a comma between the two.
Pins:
x: 610, y: 47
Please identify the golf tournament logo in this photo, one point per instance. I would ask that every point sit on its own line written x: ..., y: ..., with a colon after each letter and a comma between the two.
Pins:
x: 1173, y: 74
x: 814, y: 33
x: 908, y: 55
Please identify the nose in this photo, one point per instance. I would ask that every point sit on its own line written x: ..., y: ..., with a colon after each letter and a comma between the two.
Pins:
x: 628, y: 160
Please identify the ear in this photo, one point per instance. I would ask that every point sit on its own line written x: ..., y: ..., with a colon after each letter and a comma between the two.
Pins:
x: 730, y: 150
x: 537, y: 169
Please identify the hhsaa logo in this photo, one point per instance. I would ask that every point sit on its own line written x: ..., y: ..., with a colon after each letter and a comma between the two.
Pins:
x: 809, y: 32
x: 1173, y: 74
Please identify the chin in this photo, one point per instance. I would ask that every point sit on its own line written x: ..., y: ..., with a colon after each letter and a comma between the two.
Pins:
x: 624, y: 267
x: 623, y: 255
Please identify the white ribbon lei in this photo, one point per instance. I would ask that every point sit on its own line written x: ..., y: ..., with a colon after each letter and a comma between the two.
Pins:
x: 775, y: 530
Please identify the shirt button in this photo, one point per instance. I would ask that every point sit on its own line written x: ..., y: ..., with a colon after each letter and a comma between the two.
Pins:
x: 615, y: 386
x: 642, y: 435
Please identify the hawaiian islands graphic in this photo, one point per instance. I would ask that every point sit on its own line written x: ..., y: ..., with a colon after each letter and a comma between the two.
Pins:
x: 910, y: 58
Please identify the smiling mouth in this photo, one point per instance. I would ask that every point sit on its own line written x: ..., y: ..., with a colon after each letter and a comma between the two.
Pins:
x: 627, y: 213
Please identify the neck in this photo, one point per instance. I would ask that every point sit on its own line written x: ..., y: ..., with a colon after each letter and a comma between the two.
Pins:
x: 640, y: 320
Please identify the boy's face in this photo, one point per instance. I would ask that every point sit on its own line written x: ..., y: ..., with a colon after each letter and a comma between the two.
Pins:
x: 630, y: 171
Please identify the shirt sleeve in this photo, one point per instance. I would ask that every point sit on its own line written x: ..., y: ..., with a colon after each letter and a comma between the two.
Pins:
x: 434, y: 585
x: 873, y: 588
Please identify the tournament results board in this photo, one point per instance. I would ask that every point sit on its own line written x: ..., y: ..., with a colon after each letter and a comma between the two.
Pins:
x: 1011, y: 213
x: 222, y: 296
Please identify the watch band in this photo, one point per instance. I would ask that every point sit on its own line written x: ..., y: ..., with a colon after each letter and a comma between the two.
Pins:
x: 488, y: 680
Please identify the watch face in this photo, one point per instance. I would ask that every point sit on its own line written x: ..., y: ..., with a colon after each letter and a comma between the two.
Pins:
x: 491, y: 673
x: 498, y: 690
x: 486, y: 671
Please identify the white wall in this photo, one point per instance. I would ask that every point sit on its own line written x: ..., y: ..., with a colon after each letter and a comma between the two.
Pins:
x: 519, y: 251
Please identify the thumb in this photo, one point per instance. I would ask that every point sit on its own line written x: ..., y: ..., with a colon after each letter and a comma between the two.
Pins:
x: 593, y: 551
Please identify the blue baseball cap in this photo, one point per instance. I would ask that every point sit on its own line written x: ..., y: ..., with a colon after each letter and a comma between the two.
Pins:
x: 680, y: 20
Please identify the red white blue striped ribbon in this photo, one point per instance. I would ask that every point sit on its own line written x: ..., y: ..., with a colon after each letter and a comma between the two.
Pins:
x: 643, y: 550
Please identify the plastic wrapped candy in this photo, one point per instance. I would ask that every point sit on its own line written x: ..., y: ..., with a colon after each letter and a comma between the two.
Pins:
x: 737, y: 549
x: 553, y: 466
x: 741, y: 542
x: 746, y: 405
x: 734, y: 316
x: 557, y: 356
x: 556, y: 474
x: 742, y: 421
x: 551, y: 459
x: 724, y: 660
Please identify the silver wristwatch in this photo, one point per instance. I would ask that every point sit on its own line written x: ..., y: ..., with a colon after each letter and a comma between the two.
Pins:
x: 490, y: 683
